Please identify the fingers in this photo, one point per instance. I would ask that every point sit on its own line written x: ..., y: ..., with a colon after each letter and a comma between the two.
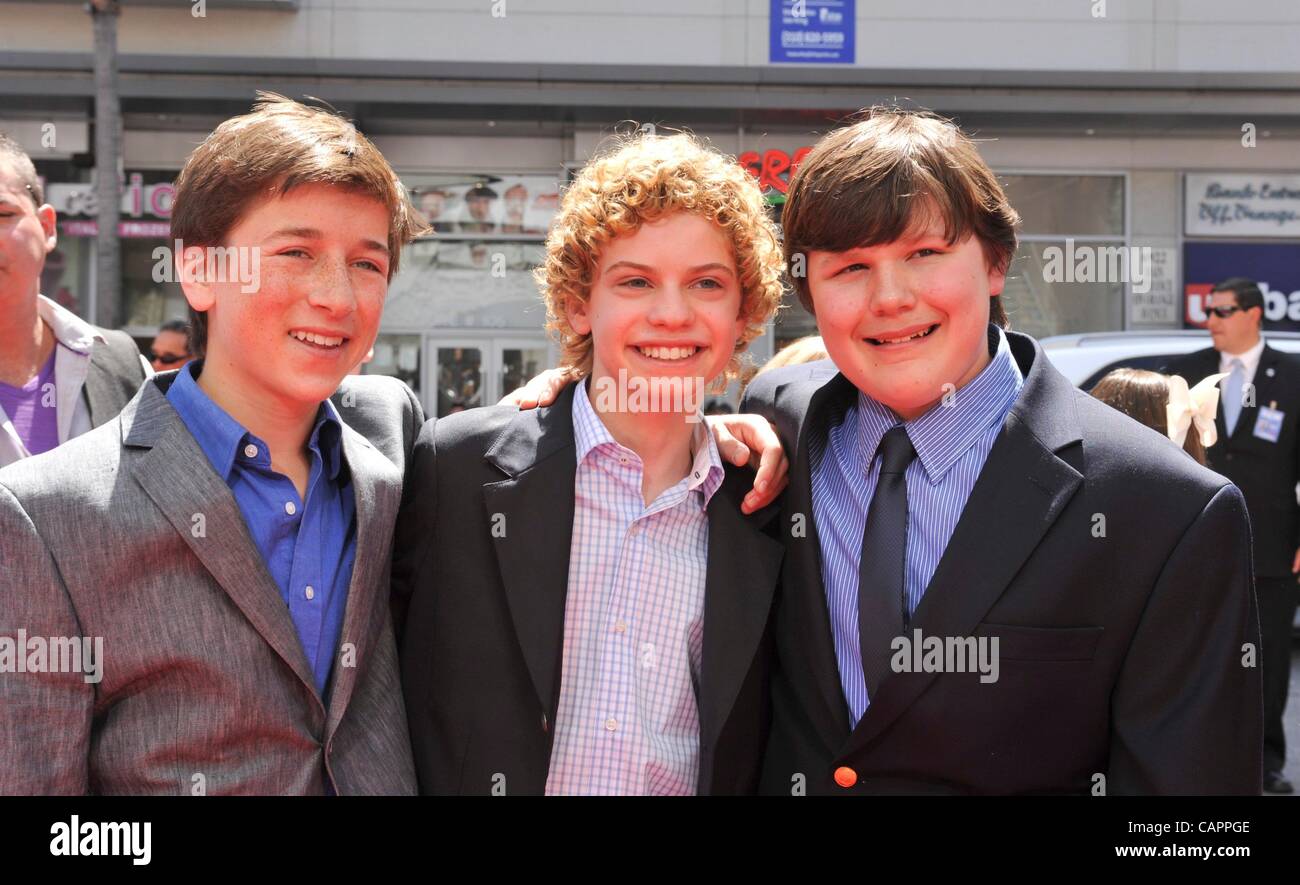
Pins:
x: 769, y: 482
x: 540, y: 391
x: 730, y: 448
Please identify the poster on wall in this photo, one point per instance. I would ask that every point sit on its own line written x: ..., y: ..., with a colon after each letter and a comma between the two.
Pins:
x: 1253, y: 204
x: 486, y: 204
x: 1275, y: 266
x: 812, y: 32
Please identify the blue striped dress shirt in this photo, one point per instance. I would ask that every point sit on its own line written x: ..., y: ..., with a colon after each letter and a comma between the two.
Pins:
x: 952, y: 442
x: 308, y: 547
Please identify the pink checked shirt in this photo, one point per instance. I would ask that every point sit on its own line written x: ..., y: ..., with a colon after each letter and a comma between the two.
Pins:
x: 628, y: 719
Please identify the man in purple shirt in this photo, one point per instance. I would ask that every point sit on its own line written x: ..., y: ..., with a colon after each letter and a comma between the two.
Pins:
x: 59, y: 375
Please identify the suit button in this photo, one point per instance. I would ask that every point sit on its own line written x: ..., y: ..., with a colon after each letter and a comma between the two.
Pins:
x: 545, y: 725
x: 846, y: 777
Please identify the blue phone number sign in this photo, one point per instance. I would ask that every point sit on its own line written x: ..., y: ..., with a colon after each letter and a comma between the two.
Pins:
x: 812, y: 31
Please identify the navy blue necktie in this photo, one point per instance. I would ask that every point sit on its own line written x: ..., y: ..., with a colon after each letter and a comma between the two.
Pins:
x: 883, y: 565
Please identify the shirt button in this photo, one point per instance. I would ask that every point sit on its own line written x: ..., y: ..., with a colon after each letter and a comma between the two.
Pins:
x: 620, y: 627
x: 697, y: 474
x: 310, y: 592
x: 250, y: 451
x: 290, y: 508
x: 611, y: 724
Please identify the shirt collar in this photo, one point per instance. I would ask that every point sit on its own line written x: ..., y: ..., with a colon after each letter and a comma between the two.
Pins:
x: 944, y: 433
x: 589, y: 432
x: 223, y: 439
x: 1249, y: 359
x: 69, y: 329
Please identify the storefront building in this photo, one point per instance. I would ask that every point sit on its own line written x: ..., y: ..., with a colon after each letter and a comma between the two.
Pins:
x: 1145, y: 166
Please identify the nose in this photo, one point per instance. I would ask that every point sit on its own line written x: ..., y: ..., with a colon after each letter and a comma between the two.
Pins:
x: 330, y: 287
x: 887, y: 290
x: 671, y: 308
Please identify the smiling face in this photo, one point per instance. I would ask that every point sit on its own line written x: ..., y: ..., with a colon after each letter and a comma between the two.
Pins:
x: 903, y: 319
x: 665, y: 302
x: 323, y: 267
x: 27, y: 235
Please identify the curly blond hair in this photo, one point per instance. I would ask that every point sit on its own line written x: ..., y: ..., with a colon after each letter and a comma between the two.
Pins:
x: 641, y: 179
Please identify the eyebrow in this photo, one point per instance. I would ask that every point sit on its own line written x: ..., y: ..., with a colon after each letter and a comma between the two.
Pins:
x: 645, y: 268
x: 311, y: 233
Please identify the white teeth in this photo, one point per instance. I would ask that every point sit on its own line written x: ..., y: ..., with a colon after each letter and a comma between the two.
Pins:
x: 316, y: 339
x: 668, y: 353
x: 919, y: 334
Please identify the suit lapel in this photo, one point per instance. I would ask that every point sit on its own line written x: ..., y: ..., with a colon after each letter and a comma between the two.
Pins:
x: 1022, y: 489
x: 802, y: 587
x: 182, y: 484
x: 98, y: 392
x: 743, y: 569
x: 377, y: 490
x: 531, y: 515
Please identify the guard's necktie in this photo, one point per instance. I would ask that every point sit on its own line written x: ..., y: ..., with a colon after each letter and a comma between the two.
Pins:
x: 1233, y: 386
x: 883, y: 566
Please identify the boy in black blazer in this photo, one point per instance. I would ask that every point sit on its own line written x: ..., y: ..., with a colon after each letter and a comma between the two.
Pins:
x: 993, y: 583
x: 586, y: 608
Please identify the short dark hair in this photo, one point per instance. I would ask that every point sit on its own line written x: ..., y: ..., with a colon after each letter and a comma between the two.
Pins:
x: 866, y: 184
x: 13, y: 151
x: 1247, y: 292
x: 181, y: 327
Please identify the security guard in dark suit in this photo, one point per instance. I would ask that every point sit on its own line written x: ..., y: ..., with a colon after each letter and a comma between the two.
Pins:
x: 1259, y: 450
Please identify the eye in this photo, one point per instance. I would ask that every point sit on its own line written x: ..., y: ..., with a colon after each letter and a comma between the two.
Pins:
x: 709, y: 283
x: 294, y: 251
x: 850, y: 268
x: 926, y: 253
x: 636, y: 283
x: 372, y: 265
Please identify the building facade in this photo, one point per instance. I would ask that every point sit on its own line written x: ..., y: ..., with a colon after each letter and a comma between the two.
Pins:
x: 1151, y: 148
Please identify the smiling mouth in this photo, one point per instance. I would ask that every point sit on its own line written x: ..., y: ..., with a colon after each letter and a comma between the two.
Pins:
x: 669, y: 354
x: 880, y: 342
x: 325, y: 342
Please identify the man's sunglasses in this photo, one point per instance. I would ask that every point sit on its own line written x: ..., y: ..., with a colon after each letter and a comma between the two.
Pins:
x: 1222, y: 312
x: 167, y: 359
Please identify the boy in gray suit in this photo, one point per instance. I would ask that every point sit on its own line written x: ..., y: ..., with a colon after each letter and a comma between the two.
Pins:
x: 193, y: 597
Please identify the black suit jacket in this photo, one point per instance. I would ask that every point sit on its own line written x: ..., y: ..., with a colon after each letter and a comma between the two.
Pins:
x: 481, y: 567
x: 1266, y: 472
x: 1115, y: 573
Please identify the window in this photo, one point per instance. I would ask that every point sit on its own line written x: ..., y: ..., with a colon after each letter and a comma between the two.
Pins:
x: 1064, y: 216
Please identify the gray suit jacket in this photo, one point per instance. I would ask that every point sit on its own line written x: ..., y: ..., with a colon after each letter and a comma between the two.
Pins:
x: 128, y: 536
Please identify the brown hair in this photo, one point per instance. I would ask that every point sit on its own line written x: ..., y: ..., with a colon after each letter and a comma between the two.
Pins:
x: 871, y: 182
x: 643, y: 178
x: 266, y: 153
x: 23, y: 168
x: 1143, y: 395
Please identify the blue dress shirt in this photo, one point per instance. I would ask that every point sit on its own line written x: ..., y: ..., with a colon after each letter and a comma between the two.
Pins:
x: 308, y: 547
x: 952, y: 442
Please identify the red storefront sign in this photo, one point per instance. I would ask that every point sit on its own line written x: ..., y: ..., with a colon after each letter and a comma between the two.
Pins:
x: 773, y: 169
